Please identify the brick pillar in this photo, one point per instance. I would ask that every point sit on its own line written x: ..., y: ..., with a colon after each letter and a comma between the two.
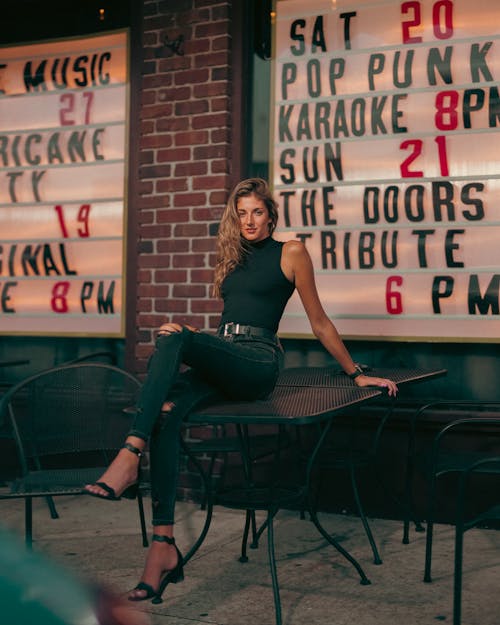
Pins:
x: 185, y: 159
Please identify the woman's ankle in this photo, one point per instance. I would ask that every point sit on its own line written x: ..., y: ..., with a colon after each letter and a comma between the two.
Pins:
x: 164, y: 530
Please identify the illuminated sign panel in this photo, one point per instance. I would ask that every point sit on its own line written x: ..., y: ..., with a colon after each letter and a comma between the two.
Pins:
x: 386, y: 162
x: 63, y: 129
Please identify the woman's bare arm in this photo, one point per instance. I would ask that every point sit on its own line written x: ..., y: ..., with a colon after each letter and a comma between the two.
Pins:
x: 297, y: 266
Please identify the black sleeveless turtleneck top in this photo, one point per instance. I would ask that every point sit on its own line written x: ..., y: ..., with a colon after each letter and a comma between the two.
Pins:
x: 255, y: 293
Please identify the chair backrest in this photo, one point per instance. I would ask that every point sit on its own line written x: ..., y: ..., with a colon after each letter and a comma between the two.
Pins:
x: 105, y: 356
x: 70, y: 409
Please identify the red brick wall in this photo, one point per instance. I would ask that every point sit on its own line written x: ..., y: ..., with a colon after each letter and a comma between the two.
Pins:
x: 184, y: 163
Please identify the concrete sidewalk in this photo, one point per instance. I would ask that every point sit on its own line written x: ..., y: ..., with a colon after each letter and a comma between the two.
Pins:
x: 101, y: 542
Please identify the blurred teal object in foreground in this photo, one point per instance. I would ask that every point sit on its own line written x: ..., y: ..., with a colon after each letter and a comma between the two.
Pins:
x: 36, y: 591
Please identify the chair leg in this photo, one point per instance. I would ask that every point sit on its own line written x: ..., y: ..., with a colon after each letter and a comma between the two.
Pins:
x: 428, y: 551
x: 255, y: 533
x: 140, y: 504
x: 28, y: 522
x: 250, y: 522
x: 244, y: 538
x: 52, y: 507
x: 457, y: 583
x: 210, y: 472
x: 430, y: 531
x: 408, y: 487
x: 364, y: 520
x: 409, y: 513
x: 272, y: 565
x: 409, y: 510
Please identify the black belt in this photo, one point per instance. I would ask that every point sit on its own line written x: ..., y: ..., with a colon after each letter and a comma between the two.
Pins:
x: 237, y: 329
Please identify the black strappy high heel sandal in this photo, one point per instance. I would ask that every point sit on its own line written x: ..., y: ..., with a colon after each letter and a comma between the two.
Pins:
x: 173, y: 576
x: 130, y: 492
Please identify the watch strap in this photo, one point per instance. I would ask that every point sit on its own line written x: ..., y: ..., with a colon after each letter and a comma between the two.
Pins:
x: 355, y: 374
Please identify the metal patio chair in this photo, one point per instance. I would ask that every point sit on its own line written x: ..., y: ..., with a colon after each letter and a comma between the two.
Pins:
x: 446, y: 456
x: 67, y: 422
x: 489, y: 465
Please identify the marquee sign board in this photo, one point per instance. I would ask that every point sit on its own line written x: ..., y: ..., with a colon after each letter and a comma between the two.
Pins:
x: 63, y: 143
x: 386, y: 164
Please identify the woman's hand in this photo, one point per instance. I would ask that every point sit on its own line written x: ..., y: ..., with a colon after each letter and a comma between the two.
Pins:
x: 368, y: 380
x: 170, y: 328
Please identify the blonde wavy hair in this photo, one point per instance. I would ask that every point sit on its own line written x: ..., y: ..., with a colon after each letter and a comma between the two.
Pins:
x: 231, y: 246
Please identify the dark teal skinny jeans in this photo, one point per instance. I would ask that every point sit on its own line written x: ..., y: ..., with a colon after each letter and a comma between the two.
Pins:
x: 234, y: 367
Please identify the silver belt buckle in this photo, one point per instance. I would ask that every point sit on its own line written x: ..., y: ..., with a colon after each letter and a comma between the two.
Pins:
x: 231, y: 328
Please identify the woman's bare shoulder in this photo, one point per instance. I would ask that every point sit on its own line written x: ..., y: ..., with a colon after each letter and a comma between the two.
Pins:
x: 295, y: 251
x: 294, y: 247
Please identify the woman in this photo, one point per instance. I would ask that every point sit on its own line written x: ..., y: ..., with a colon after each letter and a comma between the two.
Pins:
x: 255, y: 276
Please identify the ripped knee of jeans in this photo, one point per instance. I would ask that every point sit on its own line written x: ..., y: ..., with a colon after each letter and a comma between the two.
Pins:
x: 162, y: 420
